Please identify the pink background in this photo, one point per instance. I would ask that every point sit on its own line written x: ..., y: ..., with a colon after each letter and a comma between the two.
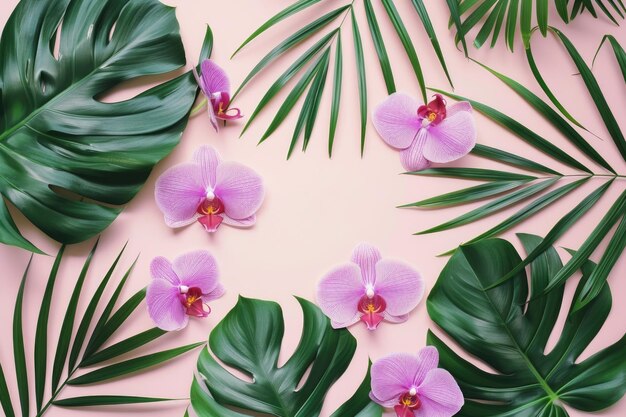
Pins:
x: 318, y: 209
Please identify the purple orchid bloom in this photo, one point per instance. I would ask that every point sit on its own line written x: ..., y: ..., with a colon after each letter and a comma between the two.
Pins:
x: 369, y: 289
x: 182, y: 288
x: 414, y: 387
x: 209, y: 191
x: 215, y: 85
x: 427, y: 133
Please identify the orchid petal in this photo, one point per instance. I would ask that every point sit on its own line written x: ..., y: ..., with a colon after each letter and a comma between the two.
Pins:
x: 240, y: 189
x: 197, y: 269
x: 440, y: 395
x: 179, y: 191
x: 451, y: 139
x: 413, y: 158
x: 211, y: 222
x: 401, y: 286
x: 395, y: 319
x: 366, y: 256
x: 199, y: 81
x: 214, y: 77
x: 209, y: 159
x: 214, y: 294
x: 181, y: 223
x: 164, y: 305
x: 393, y: 376
x: 212, y: 116
x: 161, y: 268
x: 396, y: 120
x: 338, y: 295
x: 243, y: 223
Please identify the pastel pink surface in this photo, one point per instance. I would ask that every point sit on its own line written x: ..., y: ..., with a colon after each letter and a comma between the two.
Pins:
x: 316, y: 210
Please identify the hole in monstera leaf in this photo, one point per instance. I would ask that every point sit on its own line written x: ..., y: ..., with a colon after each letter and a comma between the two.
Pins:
x: 55, y: 42
x: 130, y: 89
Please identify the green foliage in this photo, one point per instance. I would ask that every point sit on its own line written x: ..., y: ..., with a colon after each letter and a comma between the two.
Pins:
x: 490, y: 16
x: 314, y: 63
x: 509, y: 189
x: 508, y: 328
x: 249, y: 340
x: 69, y: 160
x: 105, y: 328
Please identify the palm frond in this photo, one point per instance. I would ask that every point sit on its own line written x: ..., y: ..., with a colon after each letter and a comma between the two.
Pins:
x: 503, y: 189
x: 327, y: 29
x: 487, y: 17
x: 105, y: 328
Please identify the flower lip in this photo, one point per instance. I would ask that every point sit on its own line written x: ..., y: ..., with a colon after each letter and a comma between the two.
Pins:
x: 434, y: 112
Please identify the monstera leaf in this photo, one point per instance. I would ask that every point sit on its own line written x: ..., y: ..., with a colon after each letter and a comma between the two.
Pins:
x: 249, y: 339
x: 508, y: 329
x: 68, y: 158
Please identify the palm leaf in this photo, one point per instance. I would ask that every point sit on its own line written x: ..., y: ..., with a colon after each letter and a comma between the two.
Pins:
x: 108, y: 329
x: 57, y: 134
x: 508, y: 328
x: 502, y: 189
x: 249, y: 340
x: 620, y: 54
x: 325, y: 31
x: 486, y: 16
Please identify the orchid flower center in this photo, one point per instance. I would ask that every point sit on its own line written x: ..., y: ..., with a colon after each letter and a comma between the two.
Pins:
x: 434, y: 112
x: 372, y: 307
x: 191, y: 299
x: 410, y: 400
x: 221, y: 102
x: 210, y: 211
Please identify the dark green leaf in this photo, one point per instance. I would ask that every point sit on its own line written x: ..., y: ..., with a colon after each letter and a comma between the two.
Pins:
x: 293, y: 9
x: 507, y: 330
x: 561, y: 7
x: 453, y: 5
x: 295, y: 39
x: 559, y: 229
x: 336, y: 102
x: 360, y: 66
x: 522, y: 132
x: 98, y: 400
x: 131, y: 365
x: 207, y: 45
x: 529, y: 210
x: 57, y: 133
x: 293, y: 97
x: 546, y: 89
x: 542, y: 16
x: 81, y: 333
x: 249, y: 339
x: 5, y: 396
x: 468, y: 195
x: 598, y: 278
x: 65, y: 335
x: 620, y: 54
x: 403, y: 34
x: 592, y: 242
x: 553, y: 117
x: 123, y: 347
x: 115, y: 322
x: 474, y: 174
x: 288, y: 75
x: 595, y: 92
x: 492, y: 207
x: 19, y: 355
x: 511, y: 159
x: 420, y: 8
x: 526, y: 21
x: 379, y: 45
x: 9, y: 233
x: 41, y: 334
x: 489, y: 24
x: 511, y: 24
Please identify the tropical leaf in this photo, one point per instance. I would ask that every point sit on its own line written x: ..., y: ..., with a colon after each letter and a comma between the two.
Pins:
x: 504, y: 189
x: 508, y: 328
x: 249, y: 339
x: 487, y: 16
x: 328, y: 29
x: 115, y: 367
x: 69, y: 159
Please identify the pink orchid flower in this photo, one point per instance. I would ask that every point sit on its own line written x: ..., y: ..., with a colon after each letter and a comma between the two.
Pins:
x: 369, y: 289
x: 209, y: 191
x: 215, y: 86
x: 414, y: 387
x: 427, y: 133
x: 182, y: 288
